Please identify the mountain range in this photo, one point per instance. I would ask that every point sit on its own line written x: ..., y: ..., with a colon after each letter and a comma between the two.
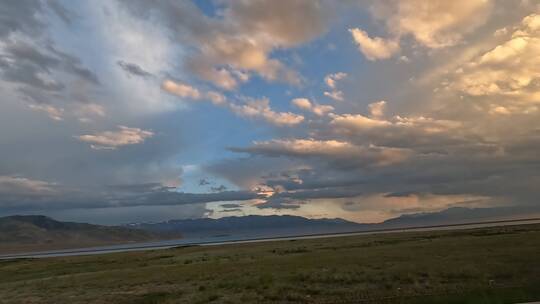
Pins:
x: 250, y: 226
x: 37, y: 233
x: 254, y: 226
x: 25, y: 233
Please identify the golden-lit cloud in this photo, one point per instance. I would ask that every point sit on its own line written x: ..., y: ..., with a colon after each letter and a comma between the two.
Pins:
x: 331, y: 81
x: 358, y: 122
x: 306, y: 105
x: 330, y: 150
x: 505, y: 77
x: 111, y: 140
x: 242, y: 39
x: 374, y: 48
x: 260, y: 108
x: 245, y: 107
x: 376, y: 109
x: 433, y: 24
x: 181, y: 89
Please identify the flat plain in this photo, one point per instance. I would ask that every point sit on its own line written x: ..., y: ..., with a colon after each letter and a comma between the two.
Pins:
x: 485, y: 265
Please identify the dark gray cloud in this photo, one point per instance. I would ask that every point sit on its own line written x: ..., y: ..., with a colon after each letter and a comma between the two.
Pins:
x: 72, y: 64
x: 133, y: 69
x: 219, y: 188
x: 204, y: 182
x: 228, y: 206
x: 29, y: 57
x: 231, y: 210
x: 21, y: 16
x: 24, y: 64
x: 303, y: 195
x: 23, y: 195
x: 280, y: 203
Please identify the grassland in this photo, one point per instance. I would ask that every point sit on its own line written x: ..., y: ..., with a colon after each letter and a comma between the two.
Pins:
x: 488, y: 265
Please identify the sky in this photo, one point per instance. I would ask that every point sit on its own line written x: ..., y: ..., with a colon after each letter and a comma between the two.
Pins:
x: 117, y: 111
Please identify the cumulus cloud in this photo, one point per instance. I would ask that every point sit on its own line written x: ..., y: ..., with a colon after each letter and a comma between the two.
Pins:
x: 335, y: 95
x: 374, y: 48
x: 243, y: 38
x: 423, y: 134
x: 111, y: 140
x: 245, y: 107
x: 433, y: 24
x: 181, y: 89
x: 358, y: 122
x: 377, y: 109
x: 216, y: 98
x: 306, y: 105
x: 186, y: 91
x: 331, y: 81
x: 260, y: 108
x: 505, y: 78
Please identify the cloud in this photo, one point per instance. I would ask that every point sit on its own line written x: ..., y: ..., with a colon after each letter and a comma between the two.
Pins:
x: 13, y: 185
x: 219, y: 188
x: 243, y: 38
x: 181, y: 89
x: 216, y: 98
x: 374, y: 48
x: 249, y: 107
x: 230, y: 206
x: 433, y: 24
x: 422, y: 134
x: 66, y: 15
x: 87, y: 112
x: 306, y: 105
x: 458, y: 126
x: 330, y: 150
x: 25, y: 195
x: 186, y: 91
x: 111, y: 140
x: 358, y: 122
x: 260, y: 108
x: 23, y: 17
x: 332, y: 79
x: 133, y: 69
x: 31, y: 63
x: 335, y: 95
x: 505, y: 77
x: 204, y: 182
x: 53, y: 112
x: 377, y: 109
